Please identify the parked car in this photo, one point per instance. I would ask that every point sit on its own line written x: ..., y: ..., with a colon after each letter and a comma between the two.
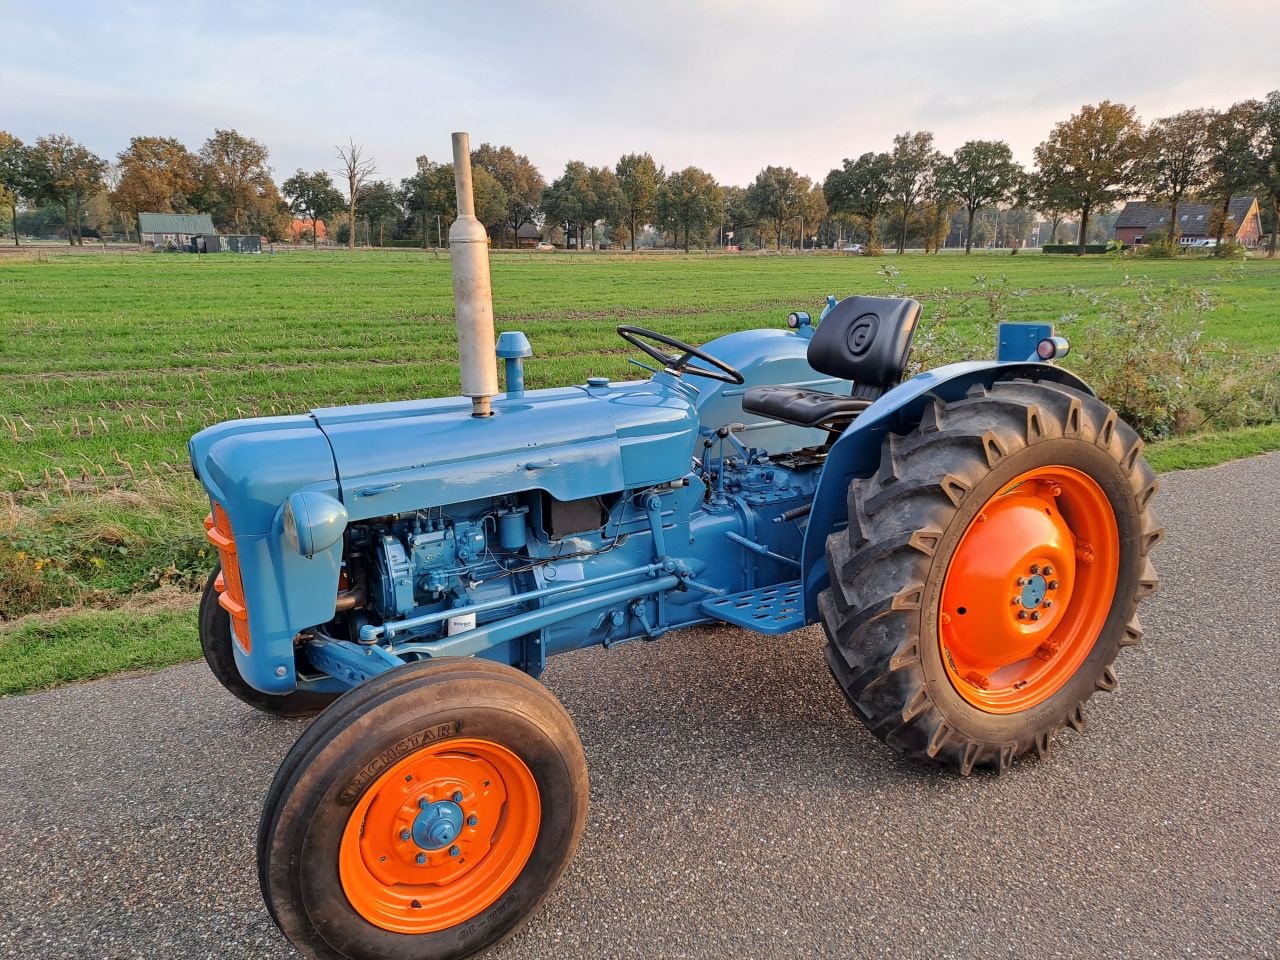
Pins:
x: 544, y: 246
x: 1203, y: 243
x: 851, y: 248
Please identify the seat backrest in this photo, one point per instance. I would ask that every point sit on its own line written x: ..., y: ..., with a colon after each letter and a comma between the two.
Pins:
x: 866, y: 340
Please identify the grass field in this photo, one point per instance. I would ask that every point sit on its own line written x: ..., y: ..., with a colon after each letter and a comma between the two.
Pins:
x: 109, y: 363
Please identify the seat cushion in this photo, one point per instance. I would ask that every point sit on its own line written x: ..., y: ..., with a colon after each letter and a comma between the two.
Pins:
x: 804, y: 408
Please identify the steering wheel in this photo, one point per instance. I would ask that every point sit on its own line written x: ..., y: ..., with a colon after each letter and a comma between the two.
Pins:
x: 678, y: 363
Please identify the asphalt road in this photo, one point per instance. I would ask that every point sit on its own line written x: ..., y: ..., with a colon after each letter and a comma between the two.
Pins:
x: 738, y: 808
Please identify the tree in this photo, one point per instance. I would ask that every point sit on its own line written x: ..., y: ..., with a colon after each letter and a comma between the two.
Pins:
x: 358, y: 170
x: 1269, y: 160
x: 860, y: 189
x: 313, y: 196
x: 15, y: 176
x: 1233, y: 163
x: 911, y: 167
x: 235, y: 174
x: 607, y: 198
x: 691, y: 202
x: 430, y: 194
x: 777, y: 195
x: 66, y: 173
x: 979, y: 174
x: 569, y: 200
x: 738, y: 215
x: 1175, y: 160
x: 379, y: 202
x: 813, y: 210
x: 1091, y: 160
x: 1047, y: 198
x: 520, y: 180
x: 638, y: 181
x: 156, y: 175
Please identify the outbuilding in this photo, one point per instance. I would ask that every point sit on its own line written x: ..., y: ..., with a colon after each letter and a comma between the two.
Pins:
x: 1195, y: 221
x: 174, y: 229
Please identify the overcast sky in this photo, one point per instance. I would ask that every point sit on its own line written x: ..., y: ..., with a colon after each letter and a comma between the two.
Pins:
x: 727, y: 85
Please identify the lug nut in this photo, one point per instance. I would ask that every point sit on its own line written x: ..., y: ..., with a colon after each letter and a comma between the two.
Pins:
x: 421, y: 858
x: 1015, y: 600
x: 1053, y: 584
x: 457, y: 796
x: 1036, y: 615
x: 454, y: 851
x: 1048, y: 570
x: 1022, y: 581
x: 404, y: 834
x: 1035, y: 568
x: 1022, y: 614
x: 1047, y: 604
x: 424, y: 802
x: 472, y: 820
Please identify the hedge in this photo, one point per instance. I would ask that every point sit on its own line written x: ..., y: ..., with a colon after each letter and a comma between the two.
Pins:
x: 1074, y: 248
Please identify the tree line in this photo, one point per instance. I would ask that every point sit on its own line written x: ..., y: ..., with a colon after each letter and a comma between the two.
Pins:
x: 911, y: 194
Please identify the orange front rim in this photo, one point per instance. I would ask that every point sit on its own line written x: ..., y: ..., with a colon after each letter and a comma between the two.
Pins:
x: 1028, y: 589
x: 440, y: 836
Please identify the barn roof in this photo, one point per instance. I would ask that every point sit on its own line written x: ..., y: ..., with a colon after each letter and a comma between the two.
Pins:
x: 1147, y: 215
x: 189, y: 223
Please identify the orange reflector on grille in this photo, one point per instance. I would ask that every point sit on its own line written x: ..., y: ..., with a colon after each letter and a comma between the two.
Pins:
x: 229, y: 586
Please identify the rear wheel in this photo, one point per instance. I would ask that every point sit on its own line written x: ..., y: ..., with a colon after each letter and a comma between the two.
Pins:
x: 990, y: 573
x: 427, y: 814
x: 216, y: 640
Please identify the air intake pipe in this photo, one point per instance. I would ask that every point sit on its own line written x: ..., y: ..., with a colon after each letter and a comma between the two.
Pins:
x: 472, y: 292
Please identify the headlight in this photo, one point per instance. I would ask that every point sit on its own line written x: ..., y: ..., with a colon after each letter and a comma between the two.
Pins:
x: 312, y: 522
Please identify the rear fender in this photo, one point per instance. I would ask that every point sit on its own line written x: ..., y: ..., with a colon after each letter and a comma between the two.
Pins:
x: 857, y: 452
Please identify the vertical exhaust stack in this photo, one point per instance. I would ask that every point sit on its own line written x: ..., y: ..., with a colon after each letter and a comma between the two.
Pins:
x: 472, y: 292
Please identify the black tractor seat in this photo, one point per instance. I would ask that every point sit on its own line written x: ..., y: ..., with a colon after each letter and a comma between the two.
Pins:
x: 804, y: 408
x: 864, y: 340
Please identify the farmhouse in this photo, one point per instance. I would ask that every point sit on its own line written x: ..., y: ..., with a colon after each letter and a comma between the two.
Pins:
x: 1195, y: 221
x: 178, y: 229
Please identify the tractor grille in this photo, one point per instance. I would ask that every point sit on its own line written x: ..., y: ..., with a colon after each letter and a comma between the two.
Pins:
x: 230, y: 589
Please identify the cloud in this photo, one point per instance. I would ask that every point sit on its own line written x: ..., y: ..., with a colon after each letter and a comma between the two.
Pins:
x: 729, y: 86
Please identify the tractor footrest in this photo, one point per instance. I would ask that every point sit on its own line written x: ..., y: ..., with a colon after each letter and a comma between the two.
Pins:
x: 775, y: 609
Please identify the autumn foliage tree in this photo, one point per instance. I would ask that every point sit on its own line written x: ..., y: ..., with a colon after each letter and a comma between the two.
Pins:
x: 235, y: 176
x: 67, y: 173
x: 520, y: 180
x: 15, y: 182
x: 155, y: 175
x: 912, y: 165
x: 1091, y: 160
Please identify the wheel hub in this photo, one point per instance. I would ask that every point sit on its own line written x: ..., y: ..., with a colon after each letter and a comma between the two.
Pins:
x: 1024, y: 600
x: 1033, y: 591
x: 438, y: 825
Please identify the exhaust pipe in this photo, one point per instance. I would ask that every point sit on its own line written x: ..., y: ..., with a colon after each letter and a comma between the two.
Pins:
x: 472, y: 291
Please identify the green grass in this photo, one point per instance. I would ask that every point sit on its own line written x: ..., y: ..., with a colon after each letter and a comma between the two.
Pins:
x: 109, y: 363
x: 93, y: 643
x: 1211, y: 449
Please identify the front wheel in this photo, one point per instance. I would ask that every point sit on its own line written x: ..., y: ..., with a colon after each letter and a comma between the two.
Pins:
x: 990, y: 573
x: 215, y: 642
x: 427, y: 814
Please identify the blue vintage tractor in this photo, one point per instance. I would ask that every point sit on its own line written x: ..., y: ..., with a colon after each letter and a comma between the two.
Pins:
x: 974, y: 541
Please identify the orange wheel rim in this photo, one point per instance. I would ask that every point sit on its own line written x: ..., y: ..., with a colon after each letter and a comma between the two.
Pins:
x: 440, y: 836
x: 1029, y: 589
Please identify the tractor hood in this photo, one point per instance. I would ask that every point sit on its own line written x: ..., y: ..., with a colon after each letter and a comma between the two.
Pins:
x: 572, y: 442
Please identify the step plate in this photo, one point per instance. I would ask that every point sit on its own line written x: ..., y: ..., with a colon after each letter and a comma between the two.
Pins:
x: 775, y: 609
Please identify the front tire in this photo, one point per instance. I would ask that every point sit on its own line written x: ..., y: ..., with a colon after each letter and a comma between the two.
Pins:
x: 215, y: 642
x: 990, y: 573
x: 427, y: 814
